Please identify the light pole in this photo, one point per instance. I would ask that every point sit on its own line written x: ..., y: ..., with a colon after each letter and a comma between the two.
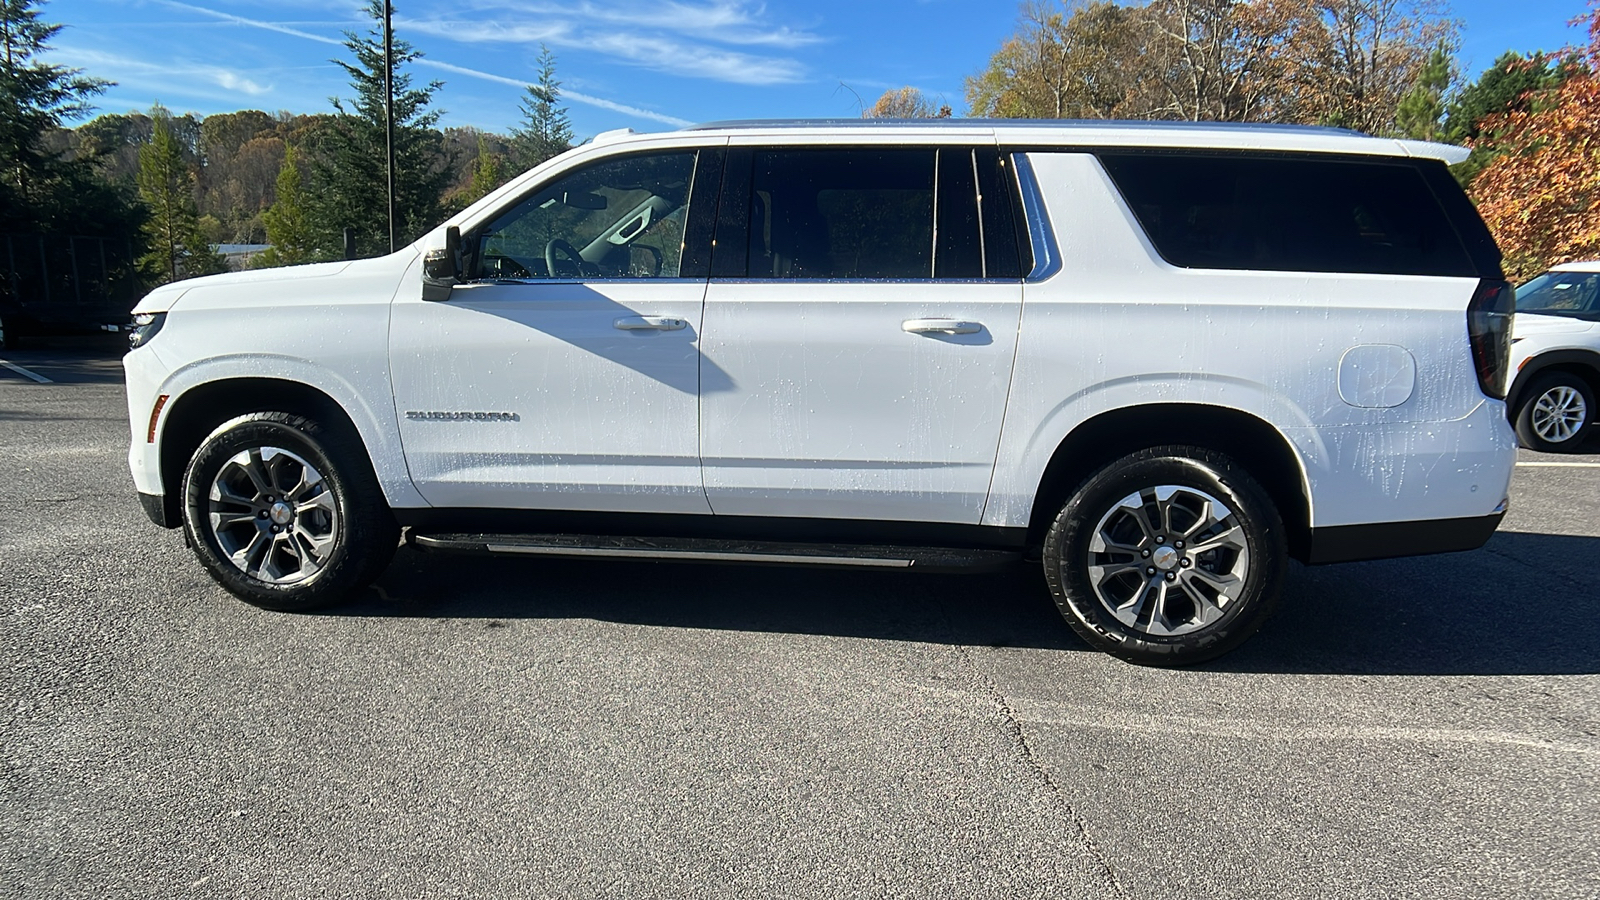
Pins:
x: 388, y: 107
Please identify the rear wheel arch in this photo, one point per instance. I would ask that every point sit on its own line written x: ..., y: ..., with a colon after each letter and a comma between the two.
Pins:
x: 194, y: 414
x: 1254, y: 443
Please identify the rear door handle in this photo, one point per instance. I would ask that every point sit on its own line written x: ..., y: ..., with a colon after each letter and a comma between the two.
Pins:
x: 649, y: 323
x: 940, y: 326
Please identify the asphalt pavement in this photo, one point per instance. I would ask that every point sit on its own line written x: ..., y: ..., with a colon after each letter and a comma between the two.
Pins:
x: 1425, y: 727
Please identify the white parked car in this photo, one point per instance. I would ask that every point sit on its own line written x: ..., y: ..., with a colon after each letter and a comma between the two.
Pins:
x: 1162, y: 360
x: 1555, y: 355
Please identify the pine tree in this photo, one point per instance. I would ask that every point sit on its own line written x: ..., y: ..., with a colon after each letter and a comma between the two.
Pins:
x: 486, y: 173
x: 546, y: 131
x: 349, y: 173
x: 1421, y: 110
x: 35, y: 98
x: 166, y: 185
x: 287, y: 228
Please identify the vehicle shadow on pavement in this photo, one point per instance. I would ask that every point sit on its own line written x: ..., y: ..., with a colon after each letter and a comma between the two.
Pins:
x: 1520, y: 606
x: 1525, y: 604
x: 1006, y: 608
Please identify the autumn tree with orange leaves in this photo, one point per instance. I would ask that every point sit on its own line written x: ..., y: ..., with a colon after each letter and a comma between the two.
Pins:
x: 1541, y: 197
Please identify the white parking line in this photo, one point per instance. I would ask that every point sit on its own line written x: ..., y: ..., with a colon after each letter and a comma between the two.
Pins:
x: 1560, y: 465
x: 24, y: 372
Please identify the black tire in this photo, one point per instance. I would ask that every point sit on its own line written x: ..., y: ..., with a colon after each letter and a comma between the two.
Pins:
x: 1195, y: 631
x: 345, y: 504
x: 1559, y: 390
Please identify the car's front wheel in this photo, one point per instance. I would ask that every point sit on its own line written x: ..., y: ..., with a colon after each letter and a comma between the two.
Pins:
x: 286, y: 513
x: 1169, y: 556
x: 1556, y: 412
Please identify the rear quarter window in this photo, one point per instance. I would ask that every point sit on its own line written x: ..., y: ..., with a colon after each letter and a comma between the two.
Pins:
x: 1289, y: 214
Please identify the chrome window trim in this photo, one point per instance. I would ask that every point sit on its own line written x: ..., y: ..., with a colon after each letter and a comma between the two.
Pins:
x: 1046, y: 257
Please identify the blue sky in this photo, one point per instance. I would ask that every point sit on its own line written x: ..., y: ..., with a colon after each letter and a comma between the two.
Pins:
x: 646, y: 64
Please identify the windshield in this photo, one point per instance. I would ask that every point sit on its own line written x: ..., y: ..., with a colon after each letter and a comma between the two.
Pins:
x: 1561, y: 294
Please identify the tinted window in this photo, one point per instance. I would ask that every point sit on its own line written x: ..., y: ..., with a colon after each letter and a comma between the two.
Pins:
x: 842, y: 214
x: 622, y: 218
x: 1562, y: 294
x: 1283, y: 214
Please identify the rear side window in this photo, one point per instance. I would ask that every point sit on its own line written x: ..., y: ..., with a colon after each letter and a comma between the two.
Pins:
x: 1289, y: 214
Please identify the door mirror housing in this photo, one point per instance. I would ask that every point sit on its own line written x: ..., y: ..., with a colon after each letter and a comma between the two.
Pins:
x: 441, y: 267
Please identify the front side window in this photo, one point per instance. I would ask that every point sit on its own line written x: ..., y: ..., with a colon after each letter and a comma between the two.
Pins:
x: 1561, y: 294
x: 622, y: 218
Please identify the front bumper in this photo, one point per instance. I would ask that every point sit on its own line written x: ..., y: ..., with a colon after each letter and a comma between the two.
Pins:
x: 155, y: 506
x: 1386, y: 540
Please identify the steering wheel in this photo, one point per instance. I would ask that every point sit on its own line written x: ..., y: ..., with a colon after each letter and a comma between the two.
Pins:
x: 572, y: 257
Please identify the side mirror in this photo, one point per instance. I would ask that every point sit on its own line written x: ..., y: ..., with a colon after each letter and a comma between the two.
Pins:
x: 441, y: 268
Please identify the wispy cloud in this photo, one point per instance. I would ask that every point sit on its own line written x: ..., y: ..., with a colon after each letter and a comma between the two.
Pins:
x: 721, y: 22
x: 217, y: 75
x: 574, y: 96
x: 677, y: 38
x: 530, y: 34
x: 255, y: 23
x: 667, y: 55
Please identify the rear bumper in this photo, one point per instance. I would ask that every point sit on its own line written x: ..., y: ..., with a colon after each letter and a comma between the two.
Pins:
x: 1385, y: 540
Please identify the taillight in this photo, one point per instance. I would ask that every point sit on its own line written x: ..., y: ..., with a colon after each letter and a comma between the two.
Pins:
x: 1489, y: 332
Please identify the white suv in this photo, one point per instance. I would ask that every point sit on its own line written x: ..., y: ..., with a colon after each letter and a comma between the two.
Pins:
x: 1162, y: 359
x: 1555, y: 355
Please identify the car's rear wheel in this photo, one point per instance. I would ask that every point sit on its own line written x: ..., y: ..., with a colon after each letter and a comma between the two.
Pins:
x: 1556, y: 413
x: 1169, y: 556
x: 285, y: 513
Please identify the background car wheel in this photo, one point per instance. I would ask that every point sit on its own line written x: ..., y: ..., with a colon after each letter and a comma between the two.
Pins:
x: 1556, y: 412
x: 1168, y: 557
x: 285, y: 513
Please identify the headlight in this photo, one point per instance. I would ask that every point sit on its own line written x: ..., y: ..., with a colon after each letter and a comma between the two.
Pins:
x: 145, y: 326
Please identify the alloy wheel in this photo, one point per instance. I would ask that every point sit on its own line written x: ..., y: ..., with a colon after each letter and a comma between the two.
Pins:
x: 1559, y: 414
x: 1168, y: 560
x: 273, y: 515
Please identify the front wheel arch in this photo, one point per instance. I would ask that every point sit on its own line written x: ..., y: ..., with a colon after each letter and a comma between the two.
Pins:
x: 195, y: 413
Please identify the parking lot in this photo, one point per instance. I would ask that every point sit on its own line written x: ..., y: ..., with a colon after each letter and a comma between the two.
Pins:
x: 1424, y: 727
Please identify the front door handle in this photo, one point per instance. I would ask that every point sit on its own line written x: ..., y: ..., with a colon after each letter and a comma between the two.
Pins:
x: 940, y: 326
x: 649, y: 323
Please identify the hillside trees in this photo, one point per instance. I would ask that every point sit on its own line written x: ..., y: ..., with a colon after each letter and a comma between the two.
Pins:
x: 1368, y: 56
x: 1069, y: 62
x: 166, y: 185
x: 1541, y: 194
x: 1342, y: 62
x: 1515, y: 83
x: 905, y: 103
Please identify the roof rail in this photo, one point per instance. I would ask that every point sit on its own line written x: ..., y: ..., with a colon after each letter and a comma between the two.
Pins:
x: 739, y: 124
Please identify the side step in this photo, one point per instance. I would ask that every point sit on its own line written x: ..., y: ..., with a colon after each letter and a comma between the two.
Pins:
x: 583, y: 546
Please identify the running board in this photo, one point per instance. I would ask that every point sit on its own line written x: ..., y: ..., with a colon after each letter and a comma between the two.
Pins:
x: 582, y: 546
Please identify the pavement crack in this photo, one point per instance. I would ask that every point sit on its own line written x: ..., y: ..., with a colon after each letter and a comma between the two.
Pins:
x: 1018, y: 738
